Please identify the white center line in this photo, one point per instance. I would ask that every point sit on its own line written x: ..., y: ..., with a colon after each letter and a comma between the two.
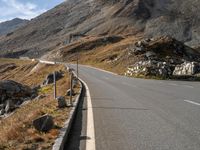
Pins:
x: 195, y: 103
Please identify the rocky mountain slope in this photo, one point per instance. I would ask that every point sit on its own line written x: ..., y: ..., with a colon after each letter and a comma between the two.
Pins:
x: 8, y: 26
x: 162, y: 57
x: 149, y: 18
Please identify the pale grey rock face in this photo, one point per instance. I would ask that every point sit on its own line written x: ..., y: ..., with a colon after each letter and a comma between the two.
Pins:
x: 150, y: 68
x: 163, y: 69
x: 187, y: 68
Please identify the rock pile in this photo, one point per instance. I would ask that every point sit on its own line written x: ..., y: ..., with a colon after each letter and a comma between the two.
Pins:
x: 187, y: 68
x: 150, y: 68
x: 13, y: 94
x: 139, y: 47
x: 164, y: 57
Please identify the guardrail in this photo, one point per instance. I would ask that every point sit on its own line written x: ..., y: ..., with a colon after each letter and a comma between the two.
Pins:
x: 64, y: 132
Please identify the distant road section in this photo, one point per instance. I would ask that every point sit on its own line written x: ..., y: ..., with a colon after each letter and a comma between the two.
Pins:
x: 137, y: 114
x: 47, y: 62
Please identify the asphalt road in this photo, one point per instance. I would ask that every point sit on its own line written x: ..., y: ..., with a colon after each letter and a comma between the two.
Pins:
x: 137, y: 114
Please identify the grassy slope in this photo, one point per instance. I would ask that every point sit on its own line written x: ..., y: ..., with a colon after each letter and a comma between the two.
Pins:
x: 116, y: 56
x: 16, y: 131
x: 112, y: 56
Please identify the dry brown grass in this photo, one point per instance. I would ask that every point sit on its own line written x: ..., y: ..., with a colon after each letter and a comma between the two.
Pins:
x: 17, y: 132
x: 102, y: 57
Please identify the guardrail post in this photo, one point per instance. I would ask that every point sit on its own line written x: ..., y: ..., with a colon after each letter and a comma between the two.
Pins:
x: 77, y: 66
x: 54, y: 78
x: 71, y: 80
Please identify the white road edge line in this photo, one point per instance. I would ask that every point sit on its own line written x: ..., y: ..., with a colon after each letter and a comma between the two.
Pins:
x: 90, y: 143
x: 195, y: 103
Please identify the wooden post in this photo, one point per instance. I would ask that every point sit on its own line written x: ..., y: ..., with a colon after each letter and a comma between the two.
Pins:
x: 77, y: 66
x: 71, y: 80
x: 54, y: 78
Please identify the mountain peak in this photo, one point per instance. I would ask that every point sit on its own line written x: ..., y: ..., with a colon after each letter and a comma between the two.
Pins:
x: 11, y: 25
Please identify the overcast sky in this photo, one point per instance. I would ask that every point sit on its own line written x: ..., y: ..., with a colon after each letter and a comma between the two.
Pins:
x: 25, y: 9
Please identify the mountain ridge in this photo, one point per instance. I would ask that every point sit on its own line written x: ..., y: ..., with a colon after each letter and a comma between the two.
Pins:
x: 11, y: 25
x: 148, y: 18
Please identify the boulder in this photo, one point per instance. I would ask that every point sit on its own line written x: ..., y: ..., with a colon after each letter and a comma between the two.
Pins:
x: 10, y: 106
x: 44, y: 123
x: 150, y: 55
x: 2, y: 106
x: 19, y: 102
x: 34, y: 95
x: 69, y: 92
x: 50, y: 77
x: 3, y: 97
x: 12, y: 90
x: 138, y: 50
x: 61, y: 102
x: 2, y: 112
x: 36, y: 88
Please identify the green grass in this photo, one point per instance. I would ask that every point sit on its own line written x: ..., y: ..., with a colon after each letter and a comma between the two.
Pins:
x: 45, y: 89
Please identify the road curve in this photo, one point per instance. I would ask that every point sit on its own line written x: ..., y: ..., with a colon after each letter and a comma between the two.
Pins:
x: 137, y: 114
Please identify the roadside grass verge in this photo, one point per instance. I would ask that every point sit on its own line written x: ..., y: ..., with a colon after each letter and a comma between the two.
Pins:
x: 16, y: 131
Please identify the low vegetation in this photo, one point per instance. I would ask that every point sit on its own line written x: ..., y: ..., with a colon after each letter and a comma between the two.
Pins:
x: 16, y: 131
x: 158, y: 58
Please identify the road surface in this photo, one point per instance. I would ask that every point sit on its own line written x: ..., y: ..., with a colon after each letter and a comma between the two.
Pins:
x: 137, y: 114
